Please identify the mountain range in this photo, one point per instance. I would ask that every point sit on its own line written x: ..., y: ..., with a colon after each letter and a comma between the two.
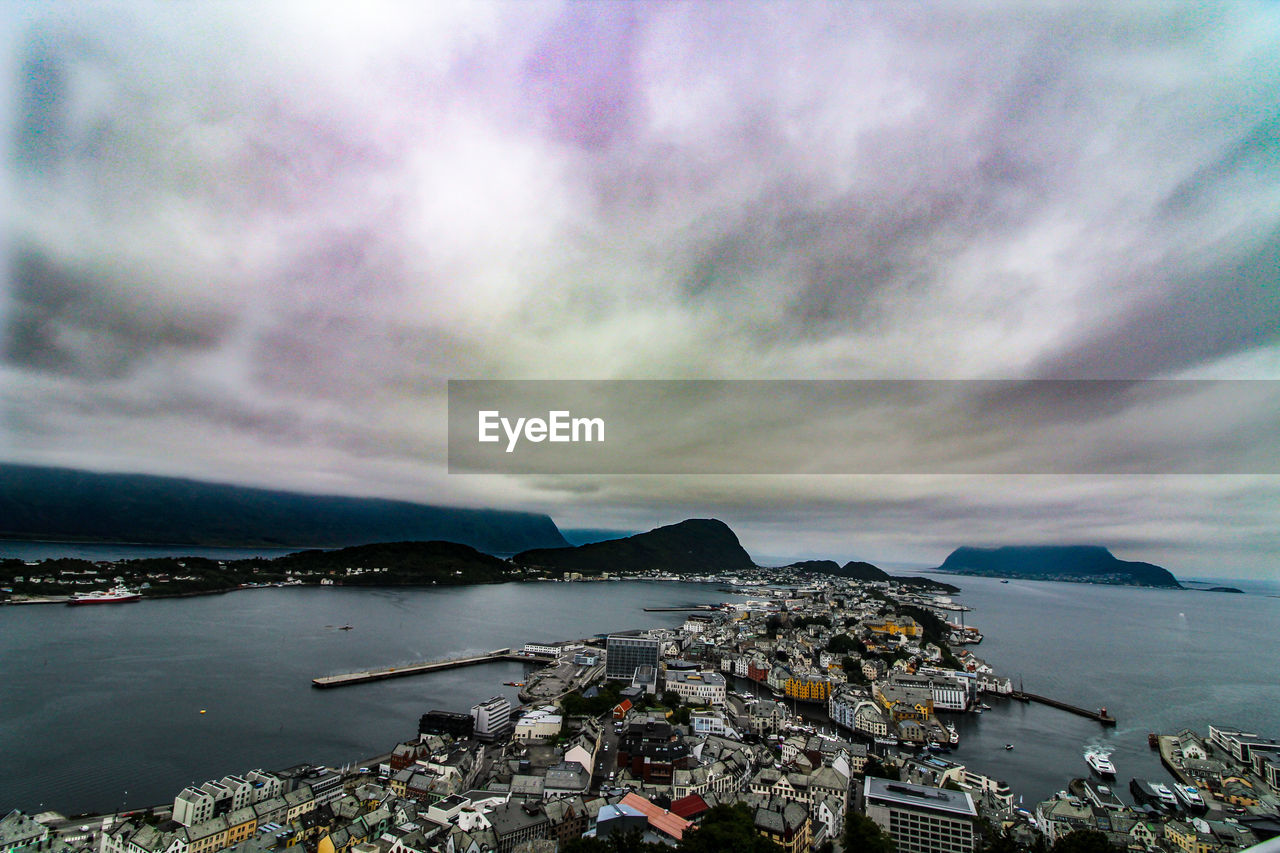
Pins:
x: 79, y: 506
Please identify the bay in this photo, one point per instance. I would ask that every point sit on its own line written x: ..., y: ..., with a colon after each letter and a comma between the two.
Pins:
x: 101, y: 706
x: 1158, y: 660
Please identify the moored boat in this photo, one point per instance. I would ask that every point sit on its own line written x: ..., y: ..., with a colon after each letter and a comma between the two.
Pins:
x: 1189, y: 796
x: 115, y: 595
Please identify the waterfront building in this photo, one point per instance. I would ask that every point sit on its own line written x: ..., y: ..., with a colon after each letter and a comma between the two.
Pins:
x: 1242, y: 745
x: 624, y: 653
x: 897, y: 626
x: 767, y: 717
x: 450, y: 723
x: 807, y: 687
x: 192, y: 806
x: 18, y: 831
x: 919, y: 818
x: 697, y: 688
x: 492, y: 718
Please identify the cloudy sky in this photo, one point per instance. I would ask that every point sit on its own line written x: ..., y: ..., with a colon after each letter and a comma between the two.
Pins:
x: 251, y: 245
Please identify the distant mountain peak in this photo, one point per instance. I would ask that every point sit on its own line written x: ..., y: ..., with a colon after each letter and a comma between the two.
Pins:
x: 1091, y: 563
x: 692, y: 546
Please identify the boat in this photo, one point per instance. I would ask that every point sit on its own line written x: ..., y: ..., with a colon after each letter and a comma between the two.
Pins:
x: 1008, y: 746
x: 1003, y: 581
x: 1143, y: 793
x: 115, y: 595
x: 1101, y: 763
x: 1165, y: 795
x: 1190, y: 796
x: 345, y: 628
x: 514, y: 683
x: 952, y: 735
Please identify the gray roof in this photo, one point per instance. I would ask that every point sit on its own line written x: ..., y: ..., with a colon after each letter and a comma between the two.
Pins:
x: 919, y: 796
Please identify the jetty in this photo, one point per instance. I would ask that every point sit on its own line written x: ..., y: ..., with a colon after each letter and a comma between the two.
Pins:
x: 325, y: 682
x: 699, y: 608
x: 1099, y: 715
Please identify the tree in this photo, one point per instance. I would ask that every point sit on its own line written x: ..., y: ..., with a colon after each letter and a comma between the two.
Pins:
x: 1083, y: 841
x: 877, y: 768
x: 727, y: 827
x: 864, y: 835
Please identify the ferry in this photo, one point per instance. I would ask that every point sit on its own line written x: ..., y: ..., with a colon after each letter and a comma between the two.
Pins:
x: 1190, y: 797
x: 1100, y: 763
x: 115, y: 595
x: 1166, y: 796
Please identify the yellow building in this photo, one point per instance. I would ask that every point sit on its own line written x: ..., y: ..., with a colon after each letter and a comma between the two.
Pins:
x: 1185, y: 837
x: 893, y: 625
x: 807, y: 688
x: 241, y: 824
x: 788, y: 827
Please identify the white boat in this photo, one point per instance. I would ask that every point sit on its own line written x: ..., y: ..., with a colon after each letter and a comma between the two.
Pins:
x: 1101, y: 763
x: 952, y: 734
x: 115, y: 595
x: 1165, y: 795
x: 1190, y: 796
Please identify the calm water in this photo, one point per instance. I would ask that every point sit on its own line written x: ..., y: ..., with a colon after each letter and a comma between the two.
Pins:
x: 100, y: 707
x: 1158, y: 660
x: 100, y: 701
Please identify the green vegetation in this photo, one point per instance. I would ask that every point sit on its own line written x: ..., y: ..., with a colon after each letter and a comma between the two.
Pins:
x: 577, y: 705
x: 863, y: 835
x: 383, y: 564
x: 1083, y: 841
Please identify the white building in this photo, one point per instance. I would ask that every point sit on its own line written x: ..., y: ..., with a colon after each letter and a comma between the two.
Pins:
x: 492, y: 718
x: 711, y: 723
x: 697, y: 688
x: 541, y: 724
x: 919, y: 818
x: 192, y: 806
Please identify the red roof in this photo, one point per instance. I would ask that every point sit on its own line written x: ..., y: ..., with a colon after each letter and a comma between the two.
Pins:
x: 689, y: 807
x: 660, y: 819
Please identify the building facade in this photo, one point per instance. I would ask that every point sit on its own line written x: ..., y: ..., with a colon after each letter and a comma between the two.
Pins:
x: 921, y: 819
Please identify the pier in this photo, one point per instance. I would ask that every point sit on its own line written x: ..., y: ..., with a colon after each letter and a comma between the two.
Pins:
x: 700, y: 608
x: 325, y: 682
x: 1100, y: 715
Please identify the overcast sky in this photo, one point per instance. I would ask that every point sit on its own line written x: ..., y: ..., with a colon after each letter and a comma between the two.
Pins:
x: 251, y: 245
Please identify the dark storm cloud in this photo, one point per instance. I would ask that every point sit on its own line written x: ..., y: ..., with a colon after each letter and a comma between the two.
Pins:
x: 233, y: 234
x: 65, y: 320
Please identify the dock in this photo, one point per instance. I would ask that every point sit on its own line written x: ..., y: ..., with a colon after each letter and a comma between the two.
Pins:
x: 325, y: 682
x: 700, y: 608
x: 1099, y: 715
